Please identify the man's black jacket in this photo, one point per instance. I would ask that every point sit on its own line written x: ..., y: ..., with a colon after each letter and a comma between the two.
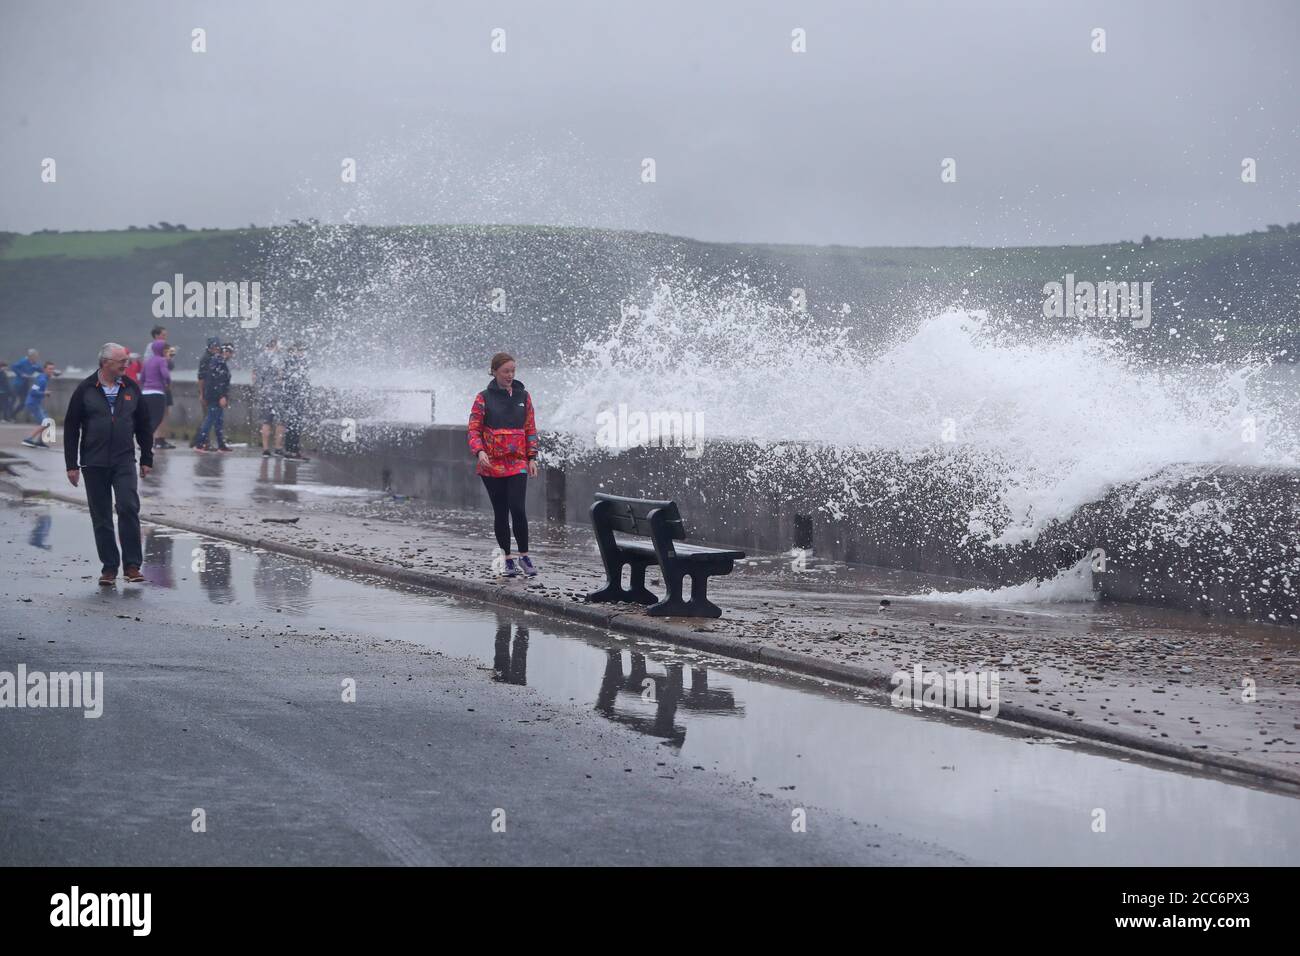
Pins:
x: 216, y: 380
x: 105, y: 438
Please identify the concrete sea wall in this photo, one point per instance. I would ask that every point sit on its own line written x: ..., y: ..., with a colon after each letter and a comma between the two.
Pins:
x: 1219, y: 540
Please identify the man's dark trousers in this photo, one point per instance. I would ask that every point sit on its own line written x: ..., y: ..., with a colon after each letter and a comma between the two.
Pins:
x: 103, y: 484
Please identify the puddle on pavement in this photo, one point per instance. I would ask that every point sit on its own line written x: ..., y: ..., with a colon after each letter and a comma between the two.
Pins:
x: 994, y: 794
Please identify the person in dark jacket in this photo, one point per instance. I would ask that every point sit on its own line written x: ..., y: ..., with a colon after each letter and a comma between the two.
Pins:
x: 205, y: 360
x: 106, y: 414
x: 503, y: 437
x: 216, y: 391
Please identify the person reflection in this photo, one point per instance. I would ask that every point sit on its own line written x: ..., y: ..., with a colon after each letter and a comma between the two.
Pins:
x: 510, y: 658
x: 158, y: 551
x: 41, y: 532
x: 271, y: 476
x: 214, y: 573
x: 282, y: 582
x: 209, y: 466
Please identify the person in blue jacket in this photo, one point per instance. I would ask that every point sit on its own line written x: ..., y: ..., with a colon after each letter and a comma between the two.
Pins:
x: 26, y: 369
x: 35, y: 405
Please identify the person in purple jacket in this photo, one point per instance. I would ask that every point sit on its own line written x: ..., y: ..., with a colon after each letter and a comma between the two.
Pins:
x: 155, y: 379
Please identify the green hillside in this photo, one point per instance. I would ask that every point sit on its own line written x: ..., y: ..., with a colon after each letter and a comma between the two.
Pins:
x: 420, y: 293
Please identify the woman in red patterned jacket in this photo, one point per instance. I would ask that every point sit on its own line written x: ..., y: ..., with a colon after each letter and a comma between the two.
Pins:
x: 503, y: 435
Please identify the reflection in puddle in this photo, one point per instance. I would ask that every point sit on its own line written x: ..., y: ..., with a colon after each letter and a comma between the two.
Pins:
x: 41, y: 533
x: 976, y: 788
x: 648, y: 702
x: 510, y: 659
x: 282, y: 582
x: 158, y: 551
x: 660, y: 693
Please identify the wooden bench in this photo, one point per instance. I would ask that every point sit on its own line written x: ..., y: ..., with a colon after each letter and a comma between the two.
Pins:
x: 636, y: 533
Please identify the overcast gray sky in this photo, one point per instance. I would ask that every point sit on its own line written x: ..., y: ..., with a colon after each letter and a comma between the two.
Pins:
x: 842, y: 144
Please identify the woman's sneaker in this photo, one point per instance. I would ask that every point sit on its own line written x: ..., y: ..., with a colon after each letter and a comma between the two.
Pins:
x: 510, y: 570
x: 526, y: 563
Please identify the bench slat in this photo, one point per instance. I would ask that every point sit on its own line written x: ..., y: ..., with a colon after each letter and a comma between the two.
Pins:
x: 632, y: 515
x: 644, y: 546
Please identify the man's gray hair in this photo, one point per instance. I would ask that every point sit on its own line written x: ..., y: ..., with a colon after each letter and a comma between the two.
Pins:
x: 106, y: 351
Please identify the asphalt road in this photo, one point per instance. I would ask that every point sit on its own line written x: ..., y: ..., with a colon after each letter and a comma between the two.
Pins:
x: 219, y: 708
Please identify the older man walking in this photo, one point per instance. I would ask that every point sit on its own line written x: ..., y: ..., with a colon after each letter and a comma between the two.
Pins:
x: 106, y: 412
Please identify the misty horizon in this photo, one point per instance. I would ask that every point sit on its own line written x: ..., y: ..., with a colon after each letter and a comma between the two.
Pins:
x: 1288, y: 227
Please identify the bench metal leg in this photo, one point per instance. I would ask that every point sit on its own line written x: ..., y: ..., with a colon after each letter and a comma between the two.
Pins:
x: 614, y: 591
x: 639, y: 593
x: 672, y: 605
x: 675, y: 606
x: 703, y: 607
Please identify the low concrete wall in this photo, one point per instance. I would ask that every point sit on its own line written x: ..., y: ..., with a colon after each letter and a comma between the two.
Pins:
x: 183, y: 418
x: 775, y: 508
x: 1223, y: 542
x: 241, y: 423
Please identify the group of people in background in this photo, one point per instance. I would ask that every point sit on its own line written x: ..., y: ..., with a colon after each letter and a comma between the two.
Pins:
x: 502, y: 433
x: 112, y: 412
x: 280, y: 392
x: 26, y: 392
x: 281, y: 381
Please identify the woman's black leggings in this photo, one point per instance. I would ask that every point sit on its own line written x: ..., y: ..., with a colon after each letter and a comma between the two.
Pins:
x: 157, y: 405
x: 507, y: 496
